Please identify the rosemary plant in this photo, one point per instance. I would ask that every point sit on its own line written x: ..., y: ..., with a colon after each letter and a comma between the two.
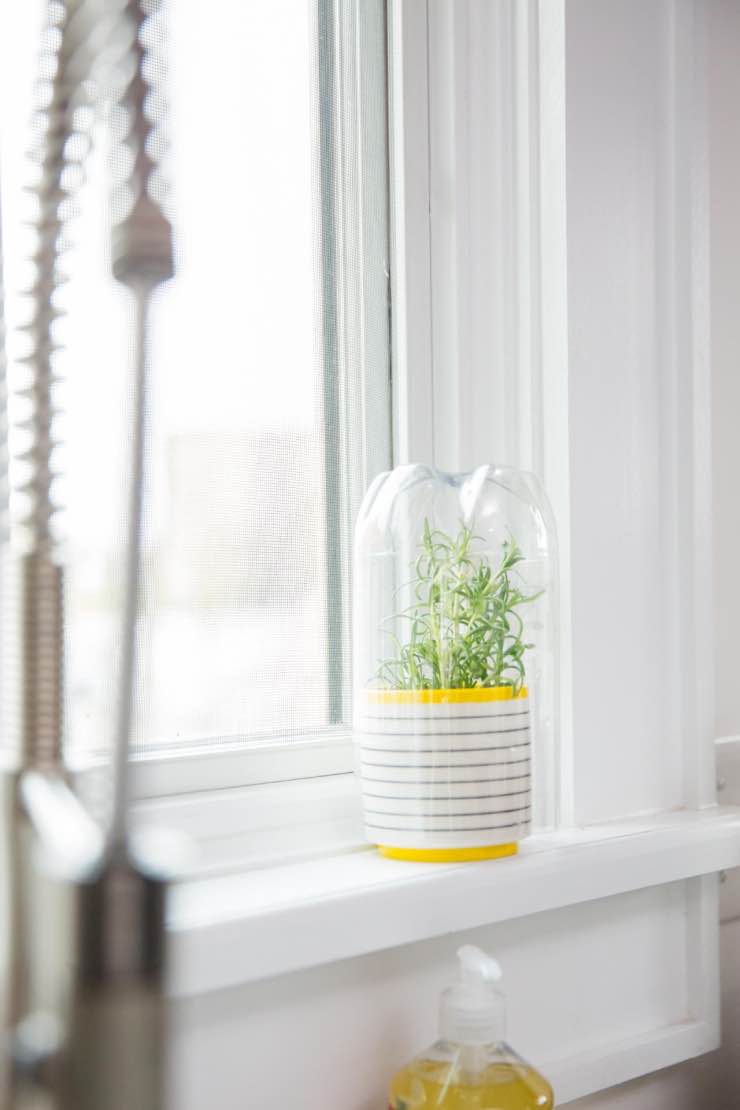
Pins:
x: 464, y: 624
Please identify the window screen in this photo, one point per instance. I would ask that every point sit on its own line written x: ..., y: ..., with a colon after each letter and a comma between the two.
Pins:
x: 269, y: 409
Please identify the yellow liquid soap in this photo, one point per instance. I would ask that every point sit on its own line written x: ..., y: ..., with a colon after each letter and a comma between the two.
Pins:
x: 471, y: 1067
x: 507, y: 1084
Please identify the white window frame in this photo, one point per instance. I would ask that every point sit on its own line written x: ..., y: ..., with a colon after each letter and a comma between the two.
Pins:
x: 351, y: 171
x: 450, y: 348
x: 454, y: 349
x: 432, y: 255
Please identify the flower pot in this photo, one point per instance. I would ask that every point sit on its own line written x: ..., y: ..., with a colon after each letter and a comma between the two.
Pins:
x: 446, y: 774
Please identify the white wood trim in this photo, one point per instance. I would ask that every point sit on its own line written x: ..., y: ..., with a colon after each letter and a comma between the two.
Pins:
x: 727, y: 750
x: 449, y: 210
x: 648, y: 321
x: 692, y: 175
x: 242, y: 928
x: 702, y: 954
x: 496, y: 242
x: 611, y: 1065
x: 553, y: 350
x: 222, y: 765
x: 699, y: 1032
x: 490, y: 286
x: 413, y: 421
x: 225, y: 764
x: 529, y: 114
x: 496, y: 81
x: 684, y: 357
x: 228, y: 831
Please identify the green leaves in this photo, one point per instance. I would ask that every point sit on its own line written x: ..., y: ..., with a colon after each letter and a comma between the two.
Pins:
x: 464, y: 625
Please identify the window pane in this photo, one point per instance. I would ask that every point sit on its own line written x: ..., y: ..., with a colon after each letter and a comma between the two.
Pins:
x: 261, y: 384
x: 236, y: 586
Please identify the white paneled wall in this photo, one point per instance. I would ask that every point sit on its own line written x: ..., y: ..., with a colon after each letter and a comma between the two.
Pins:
x: 634, y: 196
x: 713, y: 1081
x: 617, y: 173
x: 330, y: 1038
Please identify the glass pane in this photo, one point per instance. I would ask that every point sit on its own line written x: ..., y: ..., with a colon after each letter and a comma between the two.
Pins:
x: 257, y: 435
x: 236, y: 584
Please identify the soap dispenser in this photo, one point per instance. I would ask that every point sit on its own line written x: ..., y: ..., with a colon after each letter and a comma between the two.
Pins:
x: 471, y: 1067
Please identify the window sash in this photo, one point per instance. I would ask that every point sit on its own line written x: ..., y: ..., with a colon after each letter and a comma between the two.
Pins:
x: 355, y: 327
x: 352, y: 175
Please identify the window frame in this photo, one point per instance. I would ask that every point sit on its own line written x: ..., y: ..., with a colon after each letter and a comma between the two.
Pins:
x: 435, y: 367
x: 324, y: 910
x: 440, y: 357
x: 437, y: 361
x: 351, y: 171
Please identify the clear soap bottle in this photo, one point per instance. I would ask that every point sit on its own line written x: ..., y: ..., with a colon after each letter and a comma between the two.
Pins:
x: 471, y: 1067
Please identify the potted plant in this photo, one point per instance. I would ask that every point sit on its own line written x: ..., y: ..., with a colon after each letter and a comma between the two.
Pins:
x: 443, y: 726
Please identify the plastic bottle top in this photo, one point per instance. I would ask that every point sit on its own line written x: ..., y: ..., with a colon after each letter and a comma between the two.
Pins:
x: 472, y: 1011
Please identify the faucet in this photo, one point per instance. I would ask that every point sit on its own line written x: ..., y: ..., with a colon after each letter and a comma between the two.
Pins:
x: 84, y: 910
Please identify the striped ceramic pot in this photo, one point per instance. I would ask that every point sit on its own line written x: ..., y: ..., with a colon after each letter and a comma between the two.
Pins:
x: 446, y: 774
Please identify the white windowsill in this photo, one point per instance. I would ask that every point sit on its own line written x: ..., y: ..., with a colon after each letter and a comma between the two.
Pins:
x: 239, y: 928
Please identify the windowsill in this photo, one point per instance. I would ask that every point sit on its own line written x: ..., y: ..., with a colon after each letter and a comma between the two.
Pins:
x: 238, y: 928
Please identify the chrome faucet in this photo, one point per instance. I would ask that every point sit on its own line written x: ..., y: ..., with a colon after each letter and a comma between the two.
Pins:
x: 84, y: 914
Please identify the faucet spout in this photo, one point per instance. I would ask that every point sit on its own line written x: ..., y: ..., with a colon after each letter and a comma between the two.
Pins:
x: 85, y: 913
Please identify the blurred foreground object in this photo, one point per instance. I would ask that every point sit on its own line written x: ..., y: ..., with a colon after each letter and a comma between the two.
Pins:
x: 84, y: 913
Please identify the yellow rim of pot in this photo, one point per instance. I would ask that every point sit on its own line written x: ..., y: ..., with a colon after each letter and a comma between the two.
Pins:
x: 444, y: 697
x: 448, y: 855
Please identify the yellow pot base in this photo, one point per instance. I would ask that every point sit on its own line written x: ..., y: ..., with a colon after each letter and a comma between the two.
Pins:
x: 448, y: 855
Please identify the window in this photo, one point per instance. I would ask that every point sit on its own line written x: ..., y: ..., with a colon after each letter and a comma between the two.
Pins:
x: 270, y: 406
x: 549, y: 311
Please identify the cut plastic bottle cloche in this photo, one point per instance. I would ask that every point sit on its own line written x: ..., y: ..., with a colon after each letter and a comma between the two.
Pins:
x: 455, y: 662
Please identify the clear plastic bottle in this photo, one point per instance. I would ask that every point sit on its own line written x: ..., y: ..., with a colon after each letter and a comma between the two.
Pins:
x: 471, y: 1068
x: 455, y: 662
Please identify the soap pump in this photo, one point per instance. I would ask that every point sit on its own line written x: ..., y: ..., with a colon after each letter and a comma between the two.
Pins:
x: 471, y: 1067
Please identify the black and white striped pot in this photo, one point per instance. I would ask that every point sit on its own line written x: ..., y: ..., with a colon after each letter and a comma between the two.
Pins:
x: 446, y: 774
